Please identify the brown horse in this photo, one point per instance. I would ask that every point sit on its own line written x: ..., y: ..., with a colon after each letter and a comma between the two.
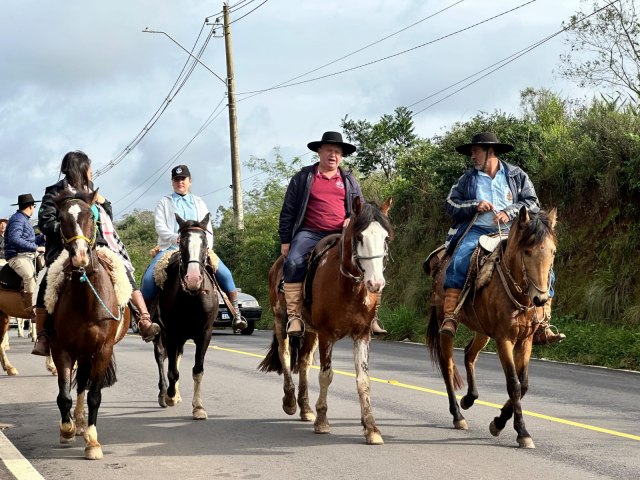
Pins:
x: 88, y: 319
x: 506, y: 309
x: 11, y: 305
x: 340, y: 301
x: 188, y: 305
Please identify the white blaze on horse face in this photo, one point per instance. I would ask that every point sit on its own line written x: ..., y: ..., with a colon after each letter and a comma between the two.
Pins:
x: 538, y: 265
x: 193, y: 278
x: 81, y: 257
x: 373, y: 245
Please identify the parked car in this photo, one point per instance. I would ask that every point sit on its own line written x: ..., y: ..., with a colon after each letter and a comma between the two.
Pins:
x: 249, y: 309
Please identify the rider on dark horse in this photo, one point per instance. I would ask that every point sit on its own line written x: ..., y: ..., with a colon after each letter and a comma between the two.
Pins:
x: 76, y: 167
x: 484, y: 200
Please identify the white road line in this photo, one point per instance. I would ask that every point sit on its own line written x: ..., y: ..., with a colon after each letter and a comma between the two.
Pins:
x: 19, y: 466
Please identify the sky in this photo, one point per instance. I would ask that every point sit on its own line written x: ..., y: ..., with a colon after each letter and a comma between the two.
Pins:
x: 80, y: 75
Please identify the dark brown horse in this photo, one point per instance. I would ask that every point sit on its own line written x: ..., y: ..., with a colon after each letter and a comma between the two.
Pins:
x: 188, y: 305
x: 507, y: 309
x: 87, y: 320
x: 343, y: 297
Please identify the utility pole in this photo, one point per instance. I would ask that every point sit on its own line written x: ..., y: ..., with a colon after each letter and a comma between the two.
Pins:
x: 233, y: 127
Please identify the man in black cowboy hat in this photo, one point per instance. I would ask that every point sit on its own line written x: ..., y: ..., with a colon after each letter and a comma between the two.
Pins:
x: 20, y: 246
x: 317, y: 203
x: 485, y: 196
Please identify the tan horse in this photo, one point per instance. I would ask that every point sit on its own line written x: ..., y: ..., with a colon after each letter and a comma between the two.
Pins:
x: 343, y: 298
x: 507, y: 310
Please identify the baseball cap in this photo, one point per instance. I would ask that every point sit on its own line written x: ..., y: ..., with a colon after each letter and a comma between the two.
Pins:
x: 180, y: 171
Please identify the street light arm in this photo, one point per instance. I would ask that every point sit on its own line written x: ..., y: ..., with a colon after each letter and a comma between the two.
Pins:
x: 146, y: 30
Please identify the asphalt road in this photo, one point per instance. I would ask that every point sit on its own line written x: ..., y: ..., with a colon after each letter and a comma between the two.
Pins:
x: 585, y: 421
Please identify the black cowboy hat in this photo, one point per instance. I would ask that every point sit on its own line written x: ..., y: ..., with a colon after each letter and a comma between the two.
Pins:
x: 334, y: 138
x: 3, y: 220
x: 25, y: 199
x: 487, y: 139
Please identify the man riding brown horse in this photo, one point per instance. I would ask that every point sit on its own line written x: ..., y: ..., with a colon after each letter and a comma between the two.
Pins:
x: 484, y: 200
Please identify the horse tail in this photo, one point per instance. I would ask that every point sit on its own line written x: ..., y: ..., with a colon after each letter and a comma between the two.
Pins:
x: 110, y: 374
x: 435, y: 349
x: 271, y: 362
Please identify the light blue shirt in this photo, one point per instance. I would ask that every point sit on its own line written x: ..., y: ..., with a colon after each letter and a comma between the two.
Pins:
x: 185, y: 207
x: 495, y: 190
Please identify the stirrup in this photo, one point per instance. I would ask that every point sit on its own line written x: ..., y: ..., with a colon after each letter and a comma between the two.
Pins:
x: 149, y: 332
x: 451, y: 331
x: 41, y: 348
x: 297, y: 333
x: 541, y: 337
x: 239, y: 323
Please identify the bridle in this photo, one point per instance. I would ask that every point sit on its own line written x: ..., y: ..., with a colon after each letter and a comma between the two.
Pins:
x: 182, y: 266
x: 355, y: 259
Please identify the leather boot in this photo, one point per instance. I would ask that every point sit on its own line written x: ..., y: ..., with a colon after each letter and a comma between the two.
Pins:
x: 544, y: 335
x: 27, y: 303
x: 293, y: 297
x: 147, y: 329
x: 376, y: 324
x: 41, y: 347
x: 450, y: 322
x: 239, y: 322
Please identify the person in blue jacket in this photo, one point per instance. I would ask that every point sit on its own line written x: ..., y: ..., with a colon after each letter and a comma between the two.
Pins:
x: 485, y: 198
x: 20, y: 246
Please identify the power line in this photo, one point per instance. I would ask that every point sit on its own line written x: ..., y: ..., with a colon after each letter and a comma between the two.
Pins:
x: 501, y: 63
x: 395, y: 54
x: 355, y: 51
x: 177, y: 155
x: 250, y: 11
x: 175, y: 89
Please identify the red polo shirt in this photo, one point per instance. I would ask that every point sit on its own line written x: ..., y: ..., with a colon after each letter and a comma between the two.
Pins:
x: 325, y: 208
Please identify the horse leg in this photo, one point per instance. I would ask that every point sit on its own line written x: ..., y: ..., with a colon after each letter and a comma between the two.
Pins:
x: 50, y: 366
x: 325, y: 377
x: 160, y: 354
x: 20, y: 326
x: 449, y: 371
x: 304, y: 363
x: 199, y: 413
x: 82, y: 378
x: 93, y: 449
x: 173, y: 374
x: 64, y: 364
x: 284, y: 352
x: 471, y: 352
x: 4, y: 335
x: 361, y: 360
x: 513, y: 405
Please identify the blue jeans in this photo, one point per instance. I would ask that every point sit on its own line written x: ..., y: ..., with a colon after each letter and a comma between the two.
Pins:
x: 295, y: 265
x: 459, y: 265
x: 149, y: 287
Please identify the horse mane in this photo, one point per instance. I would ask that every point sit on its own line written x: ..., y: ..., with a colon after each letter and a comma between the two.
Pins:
x: 370, y: 212
x: 537, y: 229
x: 67, y: 194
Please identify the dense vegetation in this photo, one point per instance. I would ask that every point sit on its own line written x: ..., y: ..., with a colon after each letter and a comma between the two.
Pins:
x: 583, y: 158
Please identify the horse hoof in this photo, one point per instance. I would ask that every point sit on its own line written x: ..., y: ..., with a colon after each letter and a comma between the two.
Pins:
x: 324, y: 428
x: 199, y: 414
x: 466, y: 404
x: 307, y: 416
x: 93, y: 453
x: 495, y: 431
x: 12, y: 371
x: 525, y: 442
x: 171, y: 401
x: 161, y: 401
x: 374, y: 439
x: 460, y: 424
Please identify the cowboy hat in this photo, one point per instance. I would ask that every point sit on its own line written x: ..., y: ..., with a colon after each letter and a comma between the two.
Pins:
x: 25, y: 199
x: 487, y: 139
x: 4, y: 220
x: 334, y: 138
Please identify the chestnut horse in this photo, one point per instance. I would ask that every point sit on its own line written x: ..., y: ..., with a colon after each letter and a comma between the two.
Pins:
x: 507, y: 309
x: 87, y: 321
x: 188, y: 305
x: 343, y: 298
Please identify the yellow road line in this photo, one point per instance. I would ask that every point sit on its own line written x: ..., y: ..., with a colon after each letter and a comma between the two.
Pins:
x: 444, y: 394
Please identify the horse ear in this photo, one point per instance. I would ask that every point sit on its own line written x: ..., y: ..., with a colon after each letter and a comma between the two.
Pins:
x: 356, y: 205
x: 386, y: 206
x: 181, y: 222
x: 523, y: 216
x: 205, y: 222
x: 553, y: 217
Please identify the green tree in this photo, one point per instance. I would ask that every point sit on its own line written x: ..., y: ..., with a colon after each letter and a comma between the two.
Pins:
x: 137, y: 231
x: 605, y: 49
x: 380, y: 144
